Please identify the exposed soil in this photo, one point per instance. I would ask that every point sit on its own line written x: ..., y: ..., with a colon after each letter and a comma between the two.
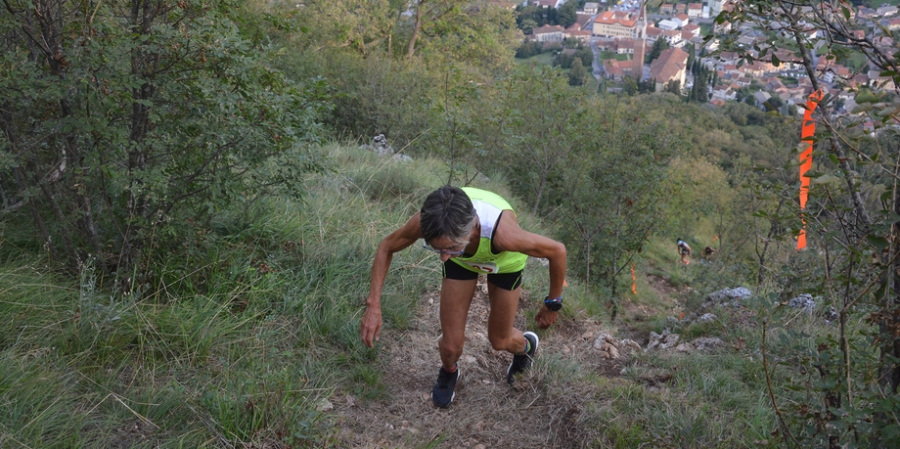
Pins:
x: 537, y: 412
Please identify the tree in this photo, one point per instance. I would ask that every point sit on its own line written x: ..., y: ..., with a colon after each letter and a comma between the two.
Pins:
x: 428, y: 13
x: 857, y: 374
x: 673, y: 86
x: 629, y: 85
x: 611, y: 205
x: 122, y: 131
x: 577, y: 74
x: 657, y: 48
x: 568, y: 14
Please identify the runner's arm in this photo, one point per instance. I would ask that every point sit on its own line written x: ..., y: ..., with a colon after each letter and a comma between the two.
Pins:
x: 510, y: 237
x: 370, y: 326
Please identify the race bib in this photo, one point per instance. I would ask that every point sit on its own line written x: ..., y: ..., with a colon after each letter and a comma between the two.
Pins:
x: 487, y: 267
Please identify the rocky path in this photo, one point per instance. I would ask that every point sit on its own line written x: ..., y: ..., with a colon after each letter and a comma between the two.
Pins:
x: 538, y: 412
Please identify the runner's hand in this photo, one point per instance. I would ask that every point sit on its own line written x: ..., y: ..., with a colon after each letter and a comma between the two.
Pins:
x: 545, y: 317
x: 370, y: 327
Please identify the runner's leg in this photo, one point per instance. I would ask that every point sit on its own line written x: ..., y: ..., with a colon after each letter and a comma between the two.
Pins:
x: 456, y: 297
x: 501, y: 333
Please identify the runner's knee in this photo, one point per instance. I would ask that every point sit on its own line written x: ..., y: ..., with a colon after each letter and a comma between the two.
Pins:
x: 447, y: 346
x: 499, y: 343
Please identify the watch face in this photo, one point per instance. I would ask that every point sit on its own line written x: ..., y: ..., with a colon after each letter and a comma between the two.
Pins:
x: 554, y: 306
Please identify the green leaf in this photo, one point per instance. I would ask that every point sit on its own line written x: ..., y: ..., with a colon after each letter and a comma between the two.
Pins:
x: 877, y: 241
x: 825, y: 179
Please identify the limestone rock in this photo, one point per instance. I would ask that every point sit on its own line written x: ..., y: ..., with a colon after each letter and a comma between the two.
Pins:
x: 707, y: 343
x: 707, y: 317
x: 665, y: 340
x: 729, y: 295
x: 804, y: 301
x: 629, y: 346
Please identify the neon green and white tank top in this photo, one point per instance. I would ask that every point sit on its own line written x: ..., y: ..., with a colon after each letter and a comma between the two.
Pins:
x: 488, y: 207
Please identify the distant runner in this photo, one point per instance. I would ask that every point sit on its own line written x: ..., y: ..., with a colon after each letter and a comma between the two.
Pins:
x: 474, y: 232
x: 685, y: 250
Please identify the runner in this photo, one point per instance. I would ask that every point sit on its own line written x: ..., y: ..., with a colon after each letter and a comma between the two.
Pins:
x: 474, y: 232
x: 685, y: 250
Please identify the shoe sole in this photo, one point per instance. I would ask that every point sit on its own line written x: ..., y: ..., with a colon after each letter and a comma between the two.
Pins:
x: 537, y: 342
x: 453, y: 396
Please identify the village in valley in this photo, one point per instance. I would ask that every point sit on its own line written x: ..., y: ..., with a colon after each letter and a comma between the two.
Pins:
x: 677, y: 36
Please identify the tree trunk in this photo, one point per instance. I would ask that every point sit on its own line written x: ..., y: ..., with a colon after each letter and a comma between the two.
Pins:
x: 420, y: 13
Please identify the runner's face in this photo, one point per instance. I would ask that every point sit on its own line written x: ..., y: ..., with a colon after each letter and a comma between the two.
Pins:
x: 446, y: 247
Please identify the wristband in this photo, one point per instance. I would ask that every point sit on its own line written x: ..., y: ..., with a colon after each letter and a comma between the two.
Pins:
x: 554, y: 304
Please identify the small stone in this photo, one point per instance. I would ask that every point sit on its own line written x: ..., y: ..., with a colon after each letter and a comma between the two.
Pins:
x: 479, y: 446
x: 486, y: 381
x: 604, y: 355
x: 684, y: 347
x: 605, y: 347
x: 469, y: 360
x: 613, y: 352
x: 324, y: 405
x: 706, y: 317
x: 610, y: 340
x: 430, y: 301
x: 669, y: 341
x: 707, y: 343
x: 629, y: 345
x: 566, y: 349
x: 587, y: 335
x: 390, y: 426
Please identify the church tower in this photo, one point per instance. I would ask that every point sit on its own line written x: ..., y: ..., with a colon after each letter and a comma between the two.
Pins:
x: 640, y: 44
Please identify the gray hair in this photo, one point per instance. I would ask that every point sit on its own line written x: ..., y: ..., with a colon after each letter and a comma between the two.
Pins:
x: 447, y: 212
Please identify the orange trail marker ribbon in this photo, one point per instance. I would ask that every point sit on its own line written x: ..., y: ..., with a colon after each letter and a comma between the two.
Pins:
x: 806, y: 134
x: 633, y: 281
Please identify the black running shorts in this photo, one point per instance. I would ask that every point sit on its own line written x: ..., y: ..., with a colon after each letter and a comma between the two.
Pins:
x: 506, y: 281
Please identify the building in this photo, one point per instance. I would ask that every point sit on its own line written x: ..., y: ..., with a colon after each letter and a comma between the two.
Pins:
x: 671, y: 65
x: 640, y: 45
x: 667, y: 8
x: 591, y: 8
x: 682, y: 19
x: 549, y: 33
x: 695, y: 10
x: 674, y: 38
x: 669, y: 24
x: 715, y: 7
x: 583, y: 22
x: 614, y: 24
x: 652, y: 34
x: 548, y: 3
x: 690, y: 31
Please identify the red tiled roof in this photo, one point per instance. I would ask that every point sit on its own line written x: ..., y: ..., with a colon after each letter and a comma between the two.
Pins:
x: 670, y: 62
x: 615, y: 17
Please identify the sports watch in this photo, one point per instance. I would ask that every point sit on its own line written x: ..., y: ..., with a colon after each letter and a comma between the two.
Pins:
x: 554, y: 304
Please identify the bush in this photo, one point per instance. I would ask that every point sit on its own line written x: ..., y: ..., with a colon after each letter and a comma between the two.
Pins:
x: 529, y: 49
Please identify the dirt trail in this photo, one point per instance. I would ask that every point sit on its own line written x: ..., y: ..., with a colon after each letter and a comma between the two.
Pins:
x: 537, y: 412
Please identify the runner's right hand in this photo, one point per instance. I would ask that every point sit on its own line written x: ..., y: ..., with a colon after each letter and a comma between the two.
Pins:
x: 370, y: 327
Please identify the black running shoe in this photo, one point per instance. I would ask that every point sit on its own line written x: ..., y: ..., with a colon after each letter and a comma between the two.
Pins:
x: 522, y: 362
x: 442, y: 394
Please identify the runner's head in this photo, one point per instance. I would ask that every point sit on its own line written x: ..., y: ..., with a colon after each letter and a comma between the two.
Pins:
x: 447, y: 212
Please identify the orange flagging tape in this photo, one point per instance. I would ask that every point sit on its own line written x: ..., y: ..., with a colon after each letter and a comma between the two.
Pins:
x: 806, y: 134
x: 633, y: 281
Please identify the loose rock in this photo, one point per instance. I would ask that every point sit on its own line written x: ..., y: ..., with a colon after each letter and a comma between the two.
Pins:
x: 804, y: 301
